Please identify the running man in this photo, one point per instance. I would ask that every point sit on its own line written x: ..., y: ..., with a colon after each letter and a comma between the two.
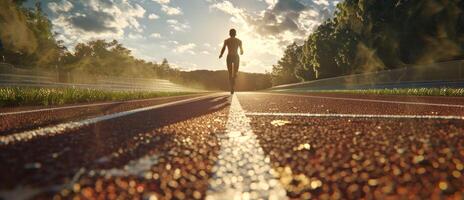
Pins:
x: 2, y: 57
x: 233, y: 59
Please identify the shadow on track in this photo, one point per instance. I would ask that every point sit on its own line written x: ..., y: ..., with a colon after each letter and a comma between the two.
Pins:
x: 22, y: 123
x: 52, y: 160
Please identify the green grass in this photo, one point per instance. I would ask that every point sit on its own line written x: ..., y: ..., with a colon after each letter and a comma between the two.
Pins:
x: 457, y: 92
x: 24, y: 96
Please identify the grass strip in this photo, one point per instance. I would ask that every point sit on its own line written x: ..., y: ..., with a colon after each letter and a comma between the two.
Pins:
x: 25, y: 96
x: 456, y: 92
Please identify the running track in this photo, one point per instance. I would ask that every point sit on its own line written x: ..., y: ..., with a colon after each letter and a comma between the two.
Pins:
x: 246, y: 146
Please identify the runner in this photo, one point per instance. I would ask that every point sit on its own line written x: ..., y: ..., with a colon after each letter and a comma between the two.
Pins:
x: 2, y: 57
x: 233, y: 59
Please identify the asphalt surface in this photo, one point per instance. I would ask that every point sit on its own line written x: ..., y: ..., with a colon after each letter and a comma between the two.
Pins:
x: 246, y: 146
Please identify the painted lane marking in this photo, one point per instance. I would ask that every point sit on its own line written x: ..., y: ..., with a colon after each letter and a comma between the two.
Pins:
x: 89, y: 105
x: 61, y: 128
x: 355, y: 115
x: 140, y: 167
x: 371, y: 100
x: 242, y: 170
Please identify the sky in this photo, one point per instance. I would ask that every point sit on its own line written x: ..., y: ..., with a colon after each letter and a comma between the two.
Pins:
x: 190, y: 33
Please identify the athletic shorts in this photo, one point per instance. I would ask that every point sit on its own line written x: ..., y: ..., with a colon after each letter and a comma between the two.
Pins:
x: 233, y: 60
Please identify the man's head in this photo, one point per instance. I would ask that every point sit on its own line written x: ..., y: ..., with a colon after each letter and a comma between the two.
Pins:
x: 232, y: 32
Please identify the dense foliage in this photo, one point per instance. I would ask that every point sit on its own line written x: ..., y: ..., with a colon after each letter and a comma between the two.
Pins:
x: 370, y: 35
x: 27, y: 41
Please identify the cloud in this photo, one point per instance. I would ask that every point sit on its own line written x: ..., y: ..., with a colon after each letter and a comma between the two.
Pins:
x: 63, y: 6
x: 162, y: 1
x: 135, y: 36
x: 155, y: 35
x: 177, y: 26
x: 171, y: 10
x: 266, y: 33
x: 322, y: 2
x: 271, y: 3
x: 93, y: 21
x: 293, y: 15
x: 301, y: 16
x: 153, y: 16
x: 186, y: 48
x: 97, y: 19
x: 227, y: 7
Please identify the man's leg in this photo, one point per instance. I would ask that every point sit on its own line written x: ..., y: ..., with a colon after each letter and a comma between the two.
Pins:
x: 235, y: 69
x: 236, y: 66
x: 231, y: 71
x: 232, y: 80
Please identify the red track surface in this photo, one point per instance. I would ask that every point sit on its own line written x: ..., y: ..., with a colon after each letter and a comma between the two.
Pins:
x: 317, y: 103
x: 13, y: 122
x: 318, y: 157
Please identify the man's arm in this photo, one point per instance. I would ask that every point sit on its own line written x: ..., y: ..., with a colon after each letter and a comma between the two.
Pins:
x: 223, y: 49
x: 241, y: 48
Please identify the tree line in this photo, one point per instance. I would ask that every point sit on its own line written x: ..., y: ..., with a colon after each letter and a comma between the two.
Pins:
x: 27, y: 41
x: 368, y: 35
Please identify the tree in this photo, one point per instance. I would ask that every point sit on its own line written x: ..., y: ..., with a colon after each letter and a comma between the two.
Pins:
x: 285, y: 70
x: 365, y: 36
x: 27, y: 35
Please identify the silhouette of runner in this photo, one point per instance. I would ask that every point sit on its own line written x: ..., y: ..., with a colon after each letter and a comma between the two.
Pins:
x: 1, y: 52
x: 233, y: 59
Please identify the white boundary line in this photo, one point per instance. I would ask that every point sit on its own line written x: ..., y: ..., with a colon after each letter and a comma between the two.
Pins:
x: 242, y: 170
x: 368, y: 100
x: 355, y: 115
x: 61, y: 128
x: 89, y: 105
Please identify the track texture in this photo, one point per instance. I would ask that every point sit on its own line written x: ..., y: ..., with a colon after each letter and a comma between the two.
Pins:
x: 297, y: 103
x: 46, y: 162
x: 184, y: 151
x: 364, y: 158
x: 352, y: 158
x: 26, y: 121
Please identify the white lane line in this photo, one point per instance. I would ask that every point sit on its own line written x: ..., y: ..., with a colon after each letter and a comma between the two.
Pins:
x: 370, y: 100
x: 355, y: 115
x: 242, y: 170
x: 61, y: 128
x: 89, y: 105
x: 140, y: 167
